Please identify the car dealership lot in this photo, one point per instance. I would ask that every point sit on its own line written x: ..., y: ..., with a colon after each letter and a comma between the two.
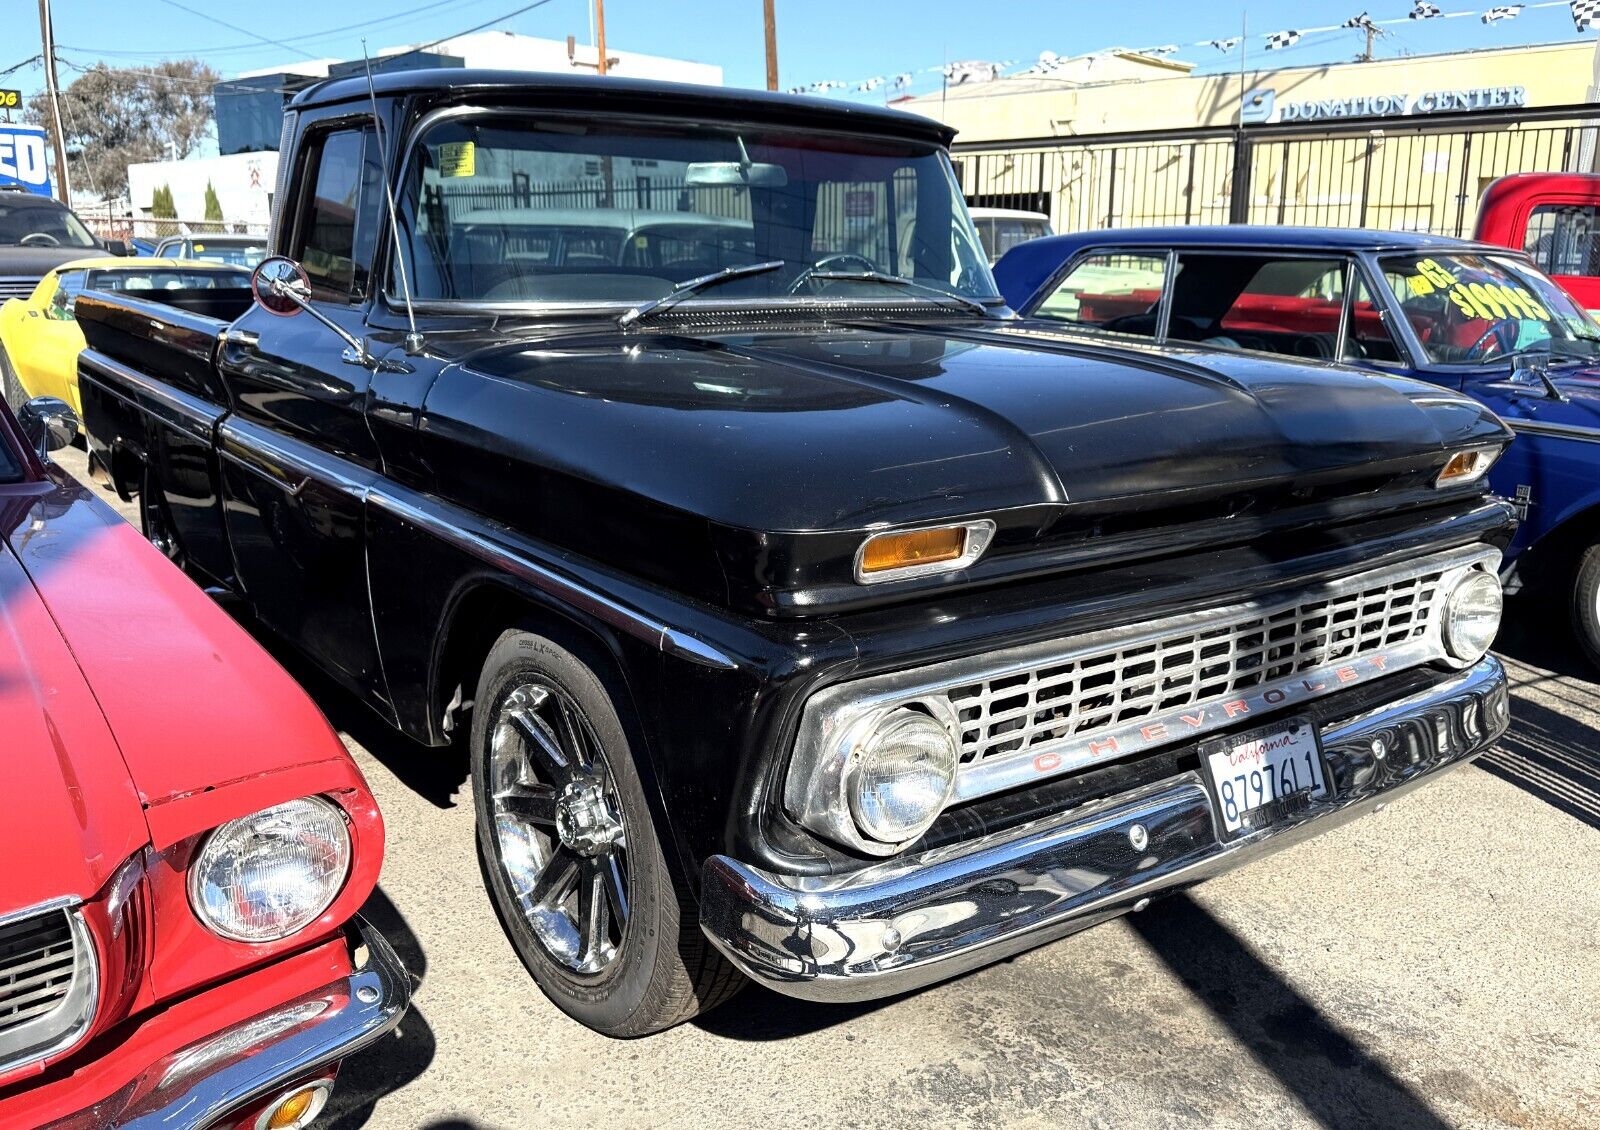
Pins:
x: 1433, y: 965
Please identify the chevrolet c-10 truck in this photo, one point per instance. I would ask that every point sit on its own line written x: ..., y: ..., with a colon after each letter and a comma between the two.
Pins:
x: 809, y: 617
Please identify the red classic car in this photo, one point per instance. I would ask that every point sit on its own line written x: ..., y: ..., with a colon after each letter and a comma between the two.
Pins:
x: 187, y: 840
x: 1555, y: 218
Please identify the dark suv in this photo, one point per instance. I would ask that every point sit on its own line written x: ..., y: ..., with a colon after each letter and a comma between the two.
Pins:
x: 36, y: 234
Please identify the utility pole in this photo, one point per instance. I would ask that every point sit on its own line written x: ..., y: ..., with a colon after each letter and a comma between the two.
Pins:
x: 52, y: 89
x: 1372, y: 33
x: 600, y: 34
x: 771, y: 17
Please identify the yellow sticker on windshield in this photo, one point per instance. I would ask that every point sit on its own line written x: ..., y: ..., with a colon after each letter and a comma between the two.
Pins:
x: 458, y: 159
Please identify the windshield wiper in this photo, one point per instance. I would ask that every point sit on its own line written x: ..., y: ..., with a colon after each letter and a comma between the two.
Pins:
x: 691, y: 286
x: 896, y: 280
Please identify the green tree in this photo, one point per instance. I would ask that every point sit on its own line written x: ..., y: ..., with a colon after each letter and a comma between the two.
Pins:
x: 213, y: 206
x: 162, y: 207
x: 118, y: 116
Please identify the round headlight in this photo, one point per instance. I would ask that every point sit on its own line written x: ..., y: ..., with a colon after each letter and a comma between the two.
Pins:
x: 901, y: 776
x: 261, y: 878
x: 1472, y: 616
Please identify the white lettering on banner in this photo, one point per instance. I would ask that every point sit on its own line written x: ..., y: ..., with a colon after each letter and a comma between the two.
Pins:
x: 22, y: 158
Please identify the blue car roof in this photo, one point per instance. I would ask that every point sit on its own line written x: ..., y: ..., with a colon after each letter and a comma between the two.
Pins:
x: 1026, y: 267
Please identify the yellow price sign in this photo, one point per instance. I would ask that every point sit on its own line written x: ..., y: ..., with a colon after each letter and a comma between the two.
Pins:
x: 1489, y: 301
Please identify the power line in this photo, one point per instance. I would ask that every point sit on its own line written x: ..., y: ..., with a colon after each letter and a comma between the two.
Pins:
x: 235, y: 27
x: 456, y: 35
x: 308, y: 37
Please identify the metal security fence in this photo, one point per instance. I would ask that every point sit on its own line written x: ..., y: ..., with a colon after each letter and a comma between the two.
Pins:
x: 1421, y: 173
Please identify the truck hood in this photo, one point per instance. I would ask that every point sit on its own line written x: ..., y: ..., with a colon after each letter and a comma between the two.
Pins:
x: 831, y: 430
x: 74, y: 816
x: 36, y: 262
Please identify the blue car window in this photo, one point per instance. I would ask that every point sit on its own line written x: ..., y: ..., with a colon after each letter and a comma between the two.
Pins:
x: 1114, y: 291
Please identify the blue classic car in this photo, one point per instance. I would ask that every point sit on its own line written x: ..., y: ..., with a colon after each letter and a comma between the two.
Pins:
x: 1465, y: 315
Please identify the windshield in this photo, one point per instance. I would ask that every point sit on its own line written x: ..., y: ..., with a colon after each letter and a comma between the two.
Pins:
x: 567, y: 212
x: 36, y: 222
x: 1470, y: 309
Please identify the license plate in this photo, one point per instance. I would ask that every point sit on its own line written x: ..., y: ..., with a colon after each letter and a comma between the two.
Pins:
x: 1266, y: 775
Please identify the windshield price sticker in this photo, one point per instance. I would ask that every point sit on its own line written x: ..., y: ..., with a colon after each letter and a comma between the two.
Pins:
x: 1490, y: 301
x: 458, y: 159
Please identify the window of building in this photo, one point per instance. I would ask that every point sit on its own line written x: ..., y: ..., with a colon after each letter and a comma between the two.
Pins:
x: 338, y: 224
x: 1561, y: 239
x: 1115, y: 291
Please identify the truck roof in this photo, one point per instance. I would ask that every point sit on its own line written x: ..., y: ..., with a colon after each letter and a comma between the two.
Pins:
x: 593, y: 92
x: 1264, y: 236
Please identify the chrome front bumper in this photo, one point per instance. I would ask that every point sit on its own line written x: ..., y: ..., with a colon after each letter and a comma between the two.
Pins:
x: 914, y: 920
x: 204, y: 1083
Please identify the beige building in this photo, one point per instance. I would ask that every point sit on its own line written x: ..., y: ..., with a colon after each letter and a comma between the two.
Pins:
x: 1404, y: 143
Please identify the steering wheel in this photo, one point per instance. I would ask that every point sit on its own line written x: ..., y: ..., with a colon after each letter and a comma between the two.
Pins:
x: 39, y: 239
x: 843, y: 261
x: 1495, y: 335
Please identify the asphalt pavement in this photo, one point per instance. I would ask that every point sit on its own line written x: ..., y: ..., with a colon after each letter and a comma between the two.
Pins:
x: 1434, y: 965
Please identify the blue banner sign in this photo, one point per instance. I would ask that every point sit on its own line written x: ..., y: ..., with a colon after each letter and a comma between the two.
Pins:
x: 22, y: 160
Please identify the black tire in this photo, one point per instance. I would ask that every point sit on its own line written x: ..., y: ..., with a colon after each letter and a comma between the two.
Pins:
x: 1586, y: 603
x: 659, y: 970
x: 154, y: 520
x: 14, y: 393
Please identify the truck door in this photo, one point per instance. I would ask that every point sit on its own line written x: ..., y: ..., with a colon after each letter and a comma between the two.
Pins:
x: 296, y: 455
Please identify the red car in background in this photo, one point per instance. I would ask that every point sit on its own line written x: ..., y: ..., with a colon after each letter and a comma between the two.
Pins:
x: 187, y: 841
x: 1555, y: 218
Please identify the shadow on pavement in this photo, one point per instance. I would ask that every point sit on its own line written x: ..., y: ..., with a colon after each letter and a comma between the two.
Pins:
x: 1334, y: 1078
x: 399, y: 1057
x: 759, y: 1015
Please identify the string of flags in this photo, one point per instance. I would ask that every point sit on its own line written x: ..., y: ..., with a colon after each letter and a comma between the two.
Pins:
x: 1585, y: 17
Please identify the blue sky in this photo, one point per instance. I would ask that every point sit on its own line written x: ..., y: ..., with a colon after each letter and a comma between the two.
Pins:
x: 844, y: 40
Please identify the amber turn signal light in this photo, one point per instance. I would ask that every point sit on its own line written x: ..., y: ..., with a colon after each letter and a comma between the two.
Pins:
x: 1466, y: 466
x: 914, y: 553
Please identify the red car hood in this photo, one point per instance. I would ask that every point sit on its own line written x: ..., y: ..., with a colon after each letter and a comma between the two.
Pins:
x: 72, y: 815
x: 176, y: 711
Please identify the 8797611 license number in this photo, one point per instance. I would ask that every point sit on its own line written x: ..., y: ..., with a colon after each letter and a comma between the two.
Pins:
x: 1265, y: 776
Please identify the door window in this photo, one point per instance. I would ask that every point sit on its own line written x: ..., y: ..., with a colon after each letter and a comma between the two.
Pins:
x: 1114, y: 291
x: 1368, y: 338
x: 338, y: 224
x: 1561, y: 239
x: 1273, y: 304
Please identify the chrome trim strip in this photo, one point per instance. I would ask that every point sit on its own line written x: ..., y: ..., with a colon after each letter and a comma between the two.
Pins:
x: 1556, y: 431
x: 905, y: 923
x: 814, y: 784
x: 60, y: 902
x: 188, y: 413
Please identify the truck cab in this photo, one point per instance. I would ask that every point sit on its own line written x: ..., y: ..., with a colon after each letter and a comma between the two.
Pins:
x: 1555, y: 218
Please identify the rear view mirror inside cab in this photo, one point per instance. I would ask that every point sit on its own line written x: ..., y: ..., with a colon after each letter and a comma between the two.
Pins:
x: 720, y: 174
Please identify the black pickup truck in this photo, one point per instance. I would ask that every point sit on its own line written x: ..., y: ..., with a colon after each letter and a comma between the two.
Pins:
x: 810, y: 617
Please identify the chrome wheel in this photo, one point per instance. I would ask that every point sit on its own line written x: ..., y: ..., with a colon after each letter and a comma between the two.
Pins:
x: 558, y: 827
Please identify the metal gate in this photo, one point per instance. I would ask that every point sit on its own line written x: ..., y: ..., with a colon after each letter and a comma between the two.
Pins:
x: 1421, y: 173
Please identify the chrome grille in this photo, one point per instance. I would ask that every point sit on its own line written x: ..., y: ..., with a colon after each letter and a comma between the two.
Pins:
x: 47, y: 983
x: 1090, y: 693
x: 37, y: 959
x: 17, y: 286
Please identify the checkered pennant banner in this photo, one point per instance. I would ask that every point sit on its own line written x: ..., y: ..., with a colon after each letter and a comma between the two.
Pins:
x: 1233, y: 41
x: 1494, y: 15
x: 1363, y: 20
x: 1166, y: 49
x: 1281, y: 39
x: 1585, y: 14
x: 1425, y: 11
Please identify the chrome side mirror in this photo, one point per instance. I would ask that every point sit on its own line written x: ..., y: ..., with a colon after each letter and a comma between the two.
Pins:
x: 280, y: 286
x: 49, y: 423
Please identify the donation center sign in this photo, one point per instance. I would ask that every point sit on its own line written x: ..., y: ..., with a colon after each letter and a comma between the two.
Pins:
x: 1261, y: 105
x: 22, y: 161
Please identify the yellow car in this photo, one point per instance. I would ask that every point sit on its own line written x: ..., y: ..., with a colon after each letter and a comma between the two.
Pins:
x: 39, y: 337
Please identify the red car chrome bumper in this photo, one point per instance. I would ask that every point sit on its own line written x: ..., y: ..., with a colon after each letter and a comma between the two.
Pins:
x: 214, y: 1058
